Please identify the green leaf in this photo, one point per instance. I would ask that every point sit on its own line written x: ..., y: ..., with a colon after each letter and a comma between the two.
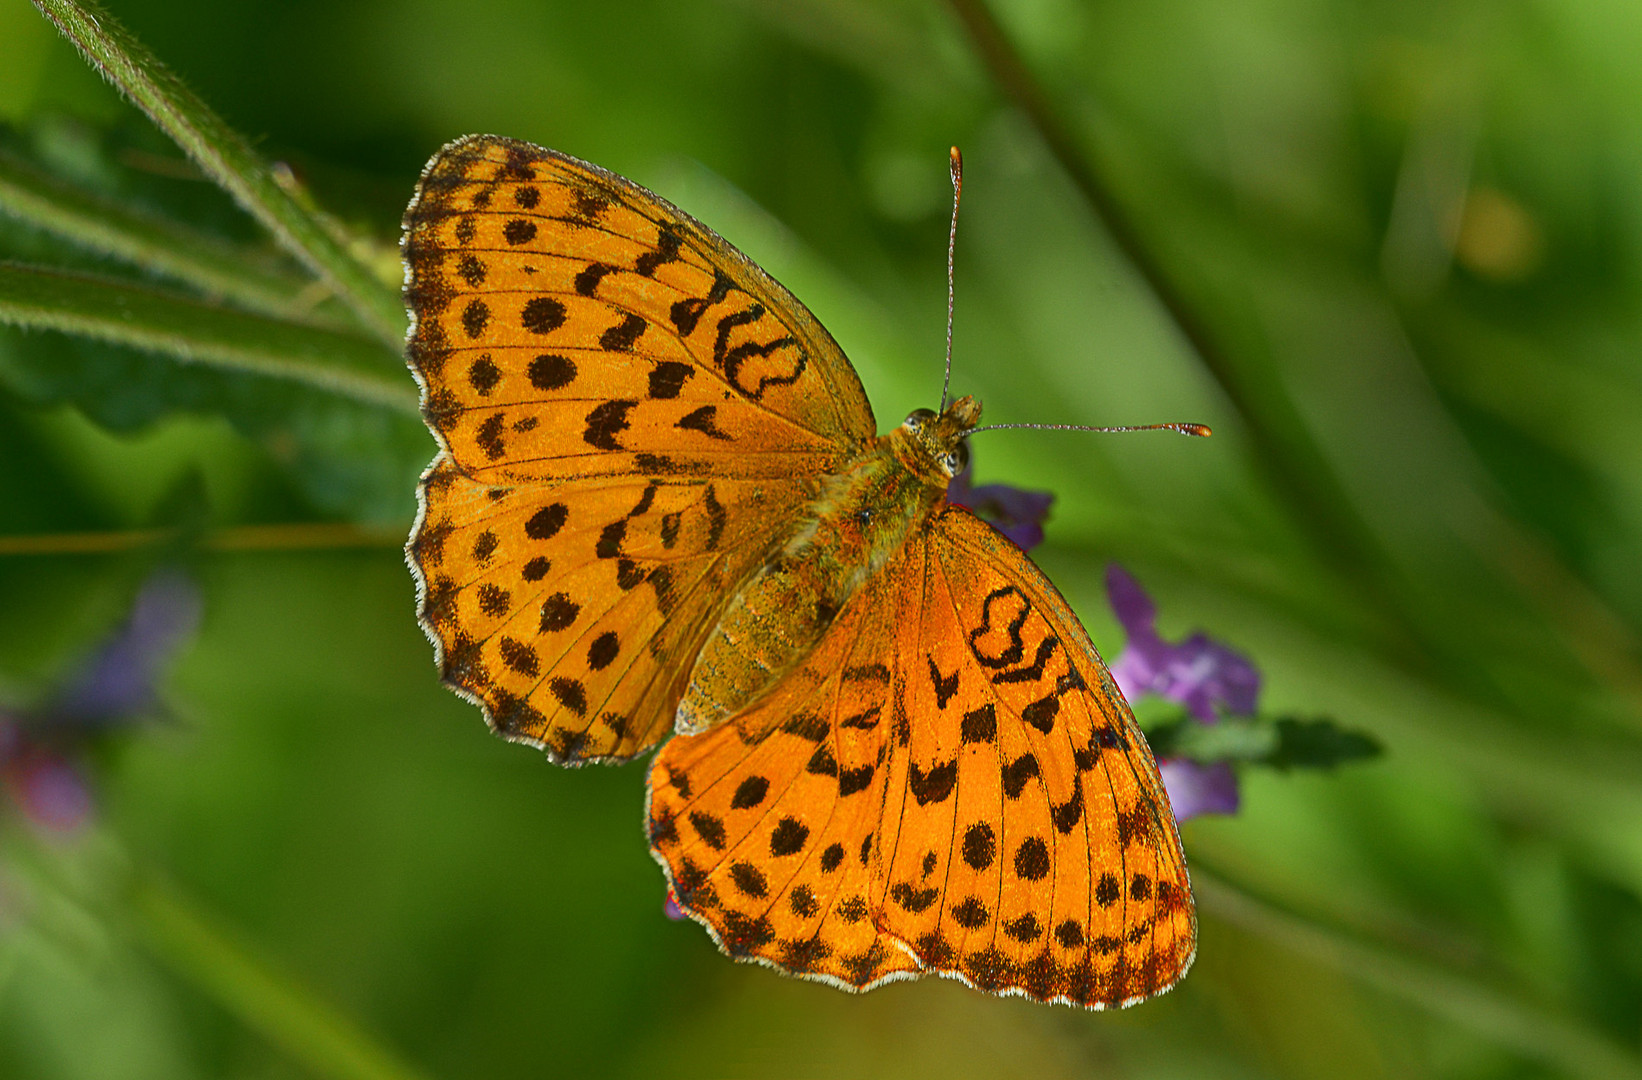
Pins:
x: 1319, y: 744
x: 1233, y: 739
x: 1278, y: 742
x: 196, y: 332
x: 152, y: 243
x: 349, y: 459
x: 229, y: 160
x: 323, y: 403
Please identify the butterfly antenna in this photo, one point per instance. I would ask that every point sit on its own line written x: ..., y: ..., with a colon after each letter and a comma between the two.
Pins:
x: 1201, y: 430
x: 951, y: 249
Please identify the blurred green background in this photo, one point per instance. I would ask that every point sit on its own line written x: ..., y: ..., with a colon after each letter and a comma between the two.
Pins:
x: 1392, y: 252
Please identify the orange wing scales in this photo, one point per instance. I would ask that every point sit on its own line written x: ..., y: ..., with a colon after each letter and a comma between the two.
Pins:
x: 1028, y: 839
x: 993, y: 811
x: 624, y: 404
x: 625, y: 335
x: 565, y: 616
x: 766, y: 824
x: 631, y: 416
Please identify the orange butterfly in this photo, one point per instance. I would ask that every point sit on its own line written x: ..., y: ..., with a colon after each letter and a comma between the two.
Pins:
x: 661, y: 506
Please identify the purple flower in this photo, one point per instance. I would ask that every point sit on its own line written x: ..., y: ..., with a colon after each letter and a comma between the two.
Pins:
x: 1204, y: 675
x: 1199, y: 789
x: 118, y: 679
x: 115, y: 683
x: 48, y: 789
x: 1198, y: 672
x: 671, y: 908
x: 1017, y: 514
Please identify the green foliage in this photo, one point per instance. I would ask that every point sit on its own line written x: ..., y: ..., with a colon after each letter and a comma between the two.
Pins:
x: 1391, y: 253
x: 1281, y: 742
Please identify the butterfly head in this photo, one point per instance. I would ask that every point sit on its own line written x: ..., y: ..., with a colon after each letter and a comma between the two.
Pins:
x: 940, y: 435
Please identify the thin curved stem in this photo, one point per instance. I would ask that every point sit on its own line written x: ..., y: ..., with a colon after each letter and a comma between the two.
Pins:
x: 1534, y: 1033
x: 1289, y: 458
x: 193, y: 945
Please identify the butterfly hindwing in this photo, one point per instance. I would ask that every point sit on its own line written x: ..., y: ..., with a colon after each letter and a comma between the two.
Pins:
x: 571, y: 618
x: 766, y: 825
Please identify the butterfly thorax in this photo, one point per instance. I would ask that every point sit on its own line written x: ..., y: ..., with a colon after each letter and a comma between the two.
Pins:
x: 861, y: 518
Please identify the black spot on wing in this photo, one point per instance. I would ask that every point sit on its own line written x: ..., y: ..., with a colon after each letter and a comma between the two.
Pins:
x: 932, y: 786
x: 542, y: 315
x: 979, y: 725
x: 980, y: 845
x: 717, y: 518
x: 607, y: 420
x: 750, y: 792
x: 788, y: 837
x: 559, y: 612
x: 945, y: 685
x: 1032, y: 859
x: 471, y: 270
x: 709, y: 828
x: 587, y: 280
x: 1042, y: 712
x: 483, y: 375
x: 666, y: 251
x: 687, y: 313
x: 551, y: 372
x: 1017, y: 773
x: 570, y: 693
x: 703, y: 420
x: 545, y: 523
x: 1034, y: 671
x: 1066, y: 815
x: 622, y: 336
x: 667, y: 378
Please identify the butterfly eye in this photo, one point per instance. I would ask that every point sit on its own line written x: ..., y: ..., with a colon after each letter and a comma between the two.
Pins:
x: 917, y: 418
x: 959, y: 458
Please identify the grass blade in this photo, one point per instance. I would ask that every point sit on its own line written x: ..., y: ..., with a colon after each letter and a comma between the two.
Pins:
x: 208, y: 956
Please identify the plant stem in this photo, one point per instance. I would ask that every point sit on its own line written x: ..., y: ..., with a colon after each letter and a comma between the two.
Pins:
x: 1290, y: 459
x: 229, y: 160
x: 196, y: 332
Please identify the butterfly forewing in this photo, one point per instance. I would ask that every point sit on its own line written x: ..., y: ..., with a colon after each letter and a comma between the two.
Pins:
x: 1028, y: 843
x: 568, y: 323
x: 626, y: 404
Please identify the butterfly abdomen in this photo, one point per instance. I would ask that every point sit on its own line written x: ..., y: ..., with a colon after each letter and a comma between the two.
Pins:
x: 861, y: 518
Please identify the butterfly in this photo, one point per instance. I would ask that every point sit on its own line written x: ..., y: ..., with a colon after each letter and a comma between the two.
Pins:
x: 661, y: 514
